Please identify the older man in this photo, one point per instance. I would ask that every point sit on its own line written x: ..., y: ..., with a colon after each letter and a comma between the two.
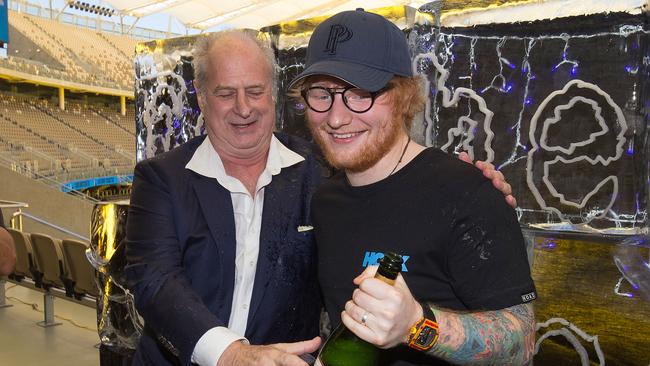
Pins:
x: 220, y: 253
x: 217, y: 251
x: 465, y: 290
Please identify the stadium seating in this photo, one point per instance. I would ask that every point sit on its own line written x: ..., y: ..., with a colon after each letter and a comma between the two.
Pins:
x: 81, y: 272
x: 24, y: 261
x: 57, y: 269
x: 48, y: 260
x: 53, y: 264
x: 87, y: 138
x: 59, y: 51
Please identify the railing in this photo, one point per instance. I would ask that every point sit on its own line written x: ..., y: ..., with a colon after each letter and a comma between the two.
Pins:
x: 48, y: 224
x: 15, y: 224
x: 48, y: 181
x: 16, y: 221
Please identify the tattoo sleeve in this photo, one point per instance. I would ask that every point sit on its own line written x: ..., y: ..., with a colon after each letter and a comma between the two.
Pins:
x: 500, y: 337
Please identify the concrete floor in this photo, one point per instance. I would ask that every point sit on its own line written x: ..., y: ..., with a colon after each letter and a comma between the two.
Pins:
x: 24, y: 343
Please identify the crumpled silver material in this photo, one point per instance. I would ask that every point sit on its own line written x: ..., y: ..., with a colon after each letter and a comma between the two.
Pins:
x: 118, y: 323
x: 167, y: 112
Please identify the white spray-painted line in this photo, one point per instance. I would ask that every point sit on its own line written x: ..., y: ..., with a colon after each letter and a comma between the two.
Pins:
x: 450, y: 100
x: 567, y: 333
x: 617, y: 287
x: 598, y: 160
x: 558, y: 116
x: 460, y: 131
x: 587, y: 197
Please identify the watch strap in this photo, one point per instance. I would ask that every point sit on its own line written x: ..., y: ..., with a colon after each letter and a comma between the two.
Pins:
x: 424, y: 333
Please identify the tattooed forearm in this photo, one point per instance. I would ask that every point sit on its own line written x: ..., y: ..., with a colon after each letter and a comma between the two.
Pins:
x: 501, y: 337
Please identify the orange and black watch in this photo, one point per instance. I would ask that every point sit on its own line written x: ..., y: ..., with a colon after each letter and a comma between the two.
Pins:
x: 424, y: 333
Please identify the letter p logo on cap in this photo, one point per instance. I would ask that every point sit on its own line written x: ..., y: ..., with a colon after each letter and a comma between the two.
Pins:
x: 338, y: 34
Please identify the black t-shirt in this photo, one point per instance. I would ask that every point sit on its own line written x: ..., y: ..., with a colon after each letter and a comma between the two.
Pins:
x: 461, y: 242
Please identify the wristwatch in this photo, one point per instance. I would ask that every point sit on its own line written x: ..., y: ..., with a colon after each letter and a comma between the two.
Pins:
x: 424, y: 333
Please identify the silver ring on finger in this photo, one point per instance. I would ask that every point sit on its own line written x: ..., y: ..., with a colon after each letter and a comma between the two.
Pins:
x: 364, y: 318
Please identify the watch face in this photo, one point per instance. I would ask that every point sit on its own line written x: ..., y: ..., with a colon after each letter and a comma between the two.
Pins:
x: 426, y: 336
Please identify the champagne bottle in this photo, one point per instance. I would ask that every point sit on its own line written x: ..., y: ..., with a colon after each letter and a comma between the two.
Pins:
x: 344, y: 348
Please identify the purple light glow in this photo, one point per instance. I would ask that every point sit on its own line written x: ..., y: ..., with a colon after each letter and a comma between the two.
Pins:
x: 548, y: 244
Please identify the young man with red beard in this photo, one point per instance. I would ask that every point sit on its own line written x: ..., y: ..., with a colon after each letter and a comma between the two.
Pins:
x: 465, y: 292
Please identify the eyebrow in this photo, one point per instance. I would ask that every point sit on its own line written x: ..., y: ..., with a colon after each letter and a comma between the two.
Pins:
x: 223, y: 87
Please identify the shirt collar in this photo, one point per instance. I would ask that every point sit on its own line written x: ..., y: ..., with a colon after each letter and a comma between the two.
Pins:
x: 207, y: 163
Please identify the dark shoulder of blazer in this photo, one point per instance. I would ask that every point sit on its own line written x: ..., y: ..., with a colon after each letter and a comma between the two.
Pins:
x: 307, y: 150
x: 177, y: 157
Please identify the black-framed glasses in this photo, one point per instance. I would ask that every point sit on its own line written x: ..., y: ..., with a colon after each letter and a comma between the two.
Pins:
x: 321, y: 99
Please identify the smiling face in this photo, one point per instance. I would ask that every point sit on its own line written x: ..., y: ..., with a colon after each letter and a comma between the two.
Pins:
x: 353, y: 141
x: 237, y: 100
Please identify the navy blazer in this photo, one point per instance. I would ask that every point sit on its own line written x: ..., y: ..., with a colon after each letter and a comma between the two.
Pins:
x: 181, y: 255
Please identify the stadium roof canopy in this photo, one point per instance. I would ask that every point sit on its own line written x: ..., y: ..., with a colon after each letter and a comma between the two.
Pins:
x: 255, y: 14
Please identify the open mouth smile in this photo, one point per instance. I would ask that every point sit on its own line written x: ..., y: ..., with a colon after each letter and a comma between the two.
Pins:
x: 342, y: 137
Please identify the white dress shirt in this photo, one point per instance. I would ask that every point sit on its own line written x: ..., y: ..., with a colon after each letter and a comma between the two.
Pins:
x: 248, y: 223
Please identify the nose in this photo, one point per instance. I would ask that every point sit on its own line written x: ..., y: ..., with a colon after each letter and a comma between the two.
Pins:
x: 339, y: 114
x: 242, y: 105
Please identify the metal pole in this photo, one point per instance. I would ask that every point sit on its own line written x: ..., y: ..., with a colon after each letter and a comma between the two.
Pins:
x: 3, y: 298
x: 48, y: 312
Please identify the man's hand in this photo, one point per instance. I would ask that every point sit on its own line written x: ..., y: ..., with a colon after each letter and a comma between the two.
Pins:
x: 279, y: 354
x: 497, y: 178
x: 390, y: 310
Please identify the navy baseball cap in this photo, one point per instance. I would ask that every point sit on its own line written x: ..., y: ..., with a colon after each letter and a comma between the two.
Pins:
x: 361, y: 48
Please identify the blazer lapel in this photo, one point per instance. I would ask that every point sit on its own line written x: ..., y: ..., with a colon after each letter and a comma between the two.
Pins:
x: 279, y: 203
x: 216, y: 206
